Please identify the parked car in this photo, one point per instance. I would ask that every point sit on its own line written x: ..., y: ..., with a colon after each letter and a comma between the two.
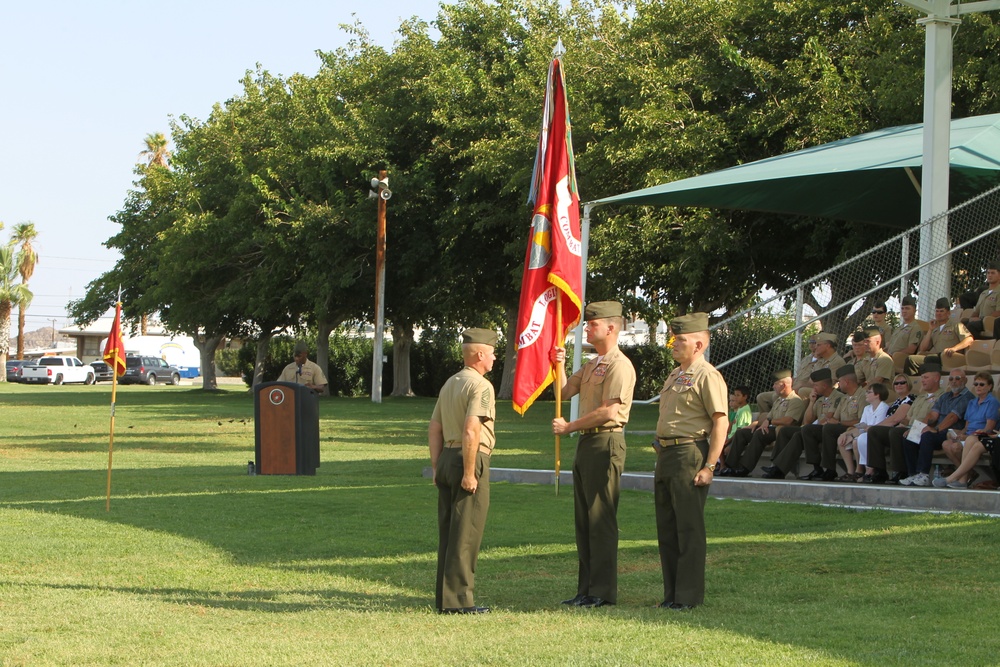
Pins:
x: 12, y: 366
x: 57, y: 370
x: 149, y: 370
x: 102, y: 371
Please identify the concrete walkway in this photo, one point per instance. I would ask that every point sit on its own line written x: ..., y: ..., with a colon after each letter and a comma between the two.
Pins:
x: 867, y: 496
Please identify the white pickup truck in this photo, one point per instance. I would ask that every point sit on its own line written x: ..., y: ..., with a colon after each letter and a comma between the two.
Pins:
x: 57, y: 370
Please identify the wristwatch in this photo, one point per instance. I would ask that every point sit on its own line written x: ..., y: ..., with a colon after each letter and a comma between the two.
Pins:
x: 711, y: 468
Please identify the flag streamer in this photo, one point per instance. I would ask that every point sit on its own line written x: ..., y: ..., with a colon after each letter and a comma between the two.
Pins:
x: 114, y: 356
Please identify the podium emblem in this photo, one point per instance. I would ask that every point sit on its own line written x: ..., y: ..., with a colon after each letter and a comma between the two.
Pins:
x: 276, y: 396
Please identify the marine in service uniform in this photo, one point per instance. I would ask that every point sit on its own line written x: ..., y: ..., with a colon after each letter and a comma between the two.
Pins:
x: 749, y: 443
x: 690, y: 433
x: 605, y: 385
x: 987, y: 305
x: 943, y: 340
x: 461, y: 437
x: 302, y: 371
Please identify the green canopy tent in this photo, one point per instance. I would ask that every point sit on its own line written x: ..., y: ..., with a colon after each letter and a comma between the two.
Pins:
x: 873, y: 177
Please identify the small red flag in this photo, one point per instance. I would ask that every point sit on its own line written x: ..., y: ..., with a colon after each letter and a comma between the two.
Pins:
x: 552, y: 262
x: 114, y: 350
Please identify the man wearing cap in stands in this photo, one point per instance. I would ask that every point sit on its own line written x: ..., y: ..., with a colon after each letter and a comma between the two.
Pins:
x: 948, y: 412
x: 821, y: 406
x: 605, y: 385
x: 690, y: 433
x: 879, y: 311
x: 749, y: 443
x: 888, y: 437
x: 302, y: 371
x: 987, y: 305
x: 944, y: 339
x: 461, y: 437
x: 876, y: 366
x: 824, y: 356
x: 906, y: 337
x: 820, y: 440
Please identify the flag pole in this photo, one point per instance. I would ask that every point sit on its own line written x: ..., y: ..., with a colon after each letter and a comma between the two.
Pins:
x: 558, y: 384
x: 111, y: 441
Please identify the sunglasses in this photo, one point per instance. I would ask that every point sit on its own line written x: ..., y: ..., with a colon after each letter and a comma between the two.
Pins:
x: 979, y: 384
x: 878, y: 312
x: 898, y: 383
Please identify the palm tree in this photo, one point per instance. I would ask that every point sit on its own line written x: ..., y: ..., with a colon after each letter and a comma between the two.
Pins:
x: 156, y: 152
x: 23, y: 234
x: 11, y: 292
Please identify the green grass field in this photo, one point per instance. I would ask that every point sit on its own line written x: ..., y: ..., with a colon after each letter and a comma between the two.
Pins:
x: 199, y: 564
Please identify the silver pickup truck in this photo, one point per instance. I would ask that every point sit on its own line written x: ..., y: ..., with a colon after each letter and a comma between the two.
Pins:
x: 57, y: 370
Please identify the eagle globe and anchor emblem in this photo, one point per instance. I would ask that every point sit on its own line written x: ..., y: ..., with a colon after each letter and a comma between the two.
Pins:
x: 276, y: 396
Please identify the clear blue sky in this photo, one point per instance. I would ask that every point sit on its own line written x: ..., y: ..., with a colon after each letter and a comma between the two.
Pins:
x: 84, y: 82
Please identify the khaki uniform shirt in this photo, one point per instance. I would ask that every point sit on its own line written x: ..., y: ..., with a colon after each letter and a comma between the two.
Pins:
x: 989, y: 302
x: 827, y: 405
x: 689, y: 399
x: 853, y: 407
x: 466, y: 394
x: 922, y: 406
x: 948, y: 335
x: 904, y: 336
x: 607, y: 378
x: 793, y: 407
x: 879, y: 366
x: 807, y: 368
x: 311, y: 374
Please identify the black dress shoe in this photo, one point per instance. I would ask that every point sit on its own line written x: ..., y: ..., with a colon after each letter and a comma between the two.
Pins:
x: 878, y: 477
x: 741, y: 472
x: 725, y: 472
x: 817, y: 473
x: 894, y: 478
x: 577, y: 601
x: 829, y: 475
x: 591, y: 601
x: 773, y: 473
x: 466, y: 610
x: 674, y: 606
x: 767, y: 469
x: 663, y: 605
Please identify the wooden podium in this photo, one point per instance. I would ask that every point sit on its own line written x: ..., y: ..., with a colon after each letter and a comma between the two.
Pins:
x: 286, y: 424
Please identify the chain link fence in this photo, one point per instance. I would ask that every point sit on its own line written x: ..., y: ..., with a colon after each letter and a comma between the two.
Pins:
x: 749, y: 345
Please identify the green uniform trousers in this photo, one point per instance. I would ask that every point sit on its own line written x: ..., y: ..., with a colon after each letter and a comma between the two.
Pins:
x: 680, y: 521
x: 597, y: 472
x: 461, y: 518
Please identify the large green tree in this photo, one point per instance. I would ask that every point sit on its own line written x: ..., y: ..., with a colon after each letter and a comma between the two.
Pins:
x: 22, y: 236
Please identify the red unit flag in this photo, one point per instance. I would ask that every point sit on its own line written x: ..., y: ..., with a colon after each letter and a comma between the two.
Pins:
x: 552, y: 264
x: 114, y: 350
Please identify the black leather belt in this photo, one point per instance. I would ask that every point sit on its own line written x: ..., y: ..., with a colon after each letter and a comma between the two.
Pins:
x: 677, y: 441
x: 601, y: 429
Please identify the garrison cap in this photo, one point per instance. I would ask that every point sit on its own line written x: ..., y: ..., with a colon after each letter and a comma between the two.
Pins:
x: 871, y: 332
x: 929, y: 367
x: 821, y: 374
x: 859, y: 337
x: 847, y: 369
x: 690, y: 323
x: 943, y: 302
x: 481, y: 336
x: 994, y: 265
x: 780, y: 375
x: 908, y: 301
x: 300, y: 347
x: 826, y: 338
x: 601, y: 309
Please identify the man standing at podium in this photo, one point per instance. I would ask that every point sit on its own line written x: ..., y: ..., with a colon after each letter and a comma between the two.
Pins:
x: 461, y: 438
x: 304, y: 372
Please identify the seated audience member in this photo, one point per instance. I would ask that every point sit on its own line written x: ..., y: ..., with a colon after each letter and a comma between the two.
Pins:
x: 906, y: 337
x: 877, y: 365
x: 822, y: 405
x: 855, y: 439
x: 824, y: 355
x: 740, y: 416
x: 948, y: 412
x: 859, y: 349
x: 895, y: 415
x: 981, y: 416
x: 879, y: 311
x: 820, y: 442
x: 748, y: 443
x: 944, y: 339
x: 987, y: 305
